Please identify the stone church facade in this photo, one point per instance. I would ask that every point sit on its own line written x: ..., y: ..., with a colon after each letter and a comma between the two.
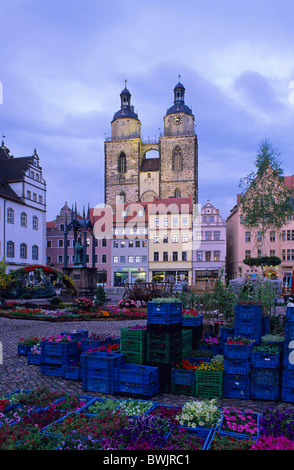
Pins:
x: 130, y: 176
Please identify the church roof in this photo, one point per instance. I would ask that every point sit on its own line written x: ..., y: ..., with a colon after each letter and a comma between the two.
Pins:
x: 150, y: 164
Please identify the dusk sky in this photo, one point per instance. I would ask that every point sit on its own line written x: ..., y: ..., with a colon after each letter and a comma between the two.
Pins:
x: 63, y: 66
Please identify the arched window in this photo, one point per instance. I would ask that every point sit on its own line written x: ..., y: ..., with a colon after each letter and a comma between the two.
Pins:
x: 122, y: 163
x: 122, y: 197
x: 23, y: 219
x: 23, y: 251
x: 177, y: 159
x: 10, y: 249
x: 10, y: 215
x: 35, y: 252
x: 177, y: 192
x: 35, y: 223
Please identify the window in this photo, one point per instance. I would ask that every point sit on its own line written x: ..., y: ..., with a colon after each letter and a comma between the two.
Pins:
x: 122, y: 197
x: 23, y: 219
x: 288, y: 254
x: 60, y: 258
x: 96, y: 241
x: 137, y: 259
x: 96, y: 259
x: 104, y: 242
x: 131, y: 259
x: 10, y: 216
x: 177, y: 159
x: 103, y: 258
x: 122, y: 244
x: 49, y: 243
x: 216, y: 255
x: 49, y: 260
x: 35, y: 252
x: 199, y: 255
x: 177, y: 192
x: 140, y: 213
x: 35, y: 197
x: 185, y: 221
x: 175, y: 256
x: 115, y: 259
x: 273, y: 236
x: 156, y: 256
x: 216, y: 235
x: 259, y: 236
x: 10, y: 249
x: 284, y: 235
x: 115, y: 244
x: 283, y: 255
x: 156, y: 222
x: 207, y: 235
x: 247, y: 254
x: 144, y: 259
x: 29, y: 195
x: 23, y: 251
x: 122, y: 163
x: 122, y: 259
x: 165, y: 256
x: 184, y: 256
x: 35, y: 222
x: 156, y: 239
x: 204, y: 218
x: 144, y: 244
x: 60, y: 243
x: 131, y: 244
x: 37, y: 177
x: 273, y: 253
x: 175, y: 238
x: 185, y: 238
x: 137, y: 243
x: 40, y: 200
x: 165, y: 222
x: 247, y: 237
x: 211, y: 218
x: 165, y: 239
x: 175, y: 221
x: 124, y: 213
x: 199, y: 235
x: 208, y: 256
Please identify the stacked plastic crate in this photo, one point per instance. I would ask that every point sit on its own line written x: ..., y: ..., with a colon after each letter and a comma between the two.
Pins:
x: 265, y: 372
x: 97, y: 370
x: 194, y: 324
x: 237, y: 366
x: 57, y: 354
x: 164, y: 339
x: 186, y: 343
x: 133, y: 344
x: 287, y: 390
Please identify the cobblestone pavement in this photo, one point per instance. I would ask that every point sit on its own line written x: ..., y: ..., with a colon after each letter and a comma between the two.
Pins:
x: 16, y: 373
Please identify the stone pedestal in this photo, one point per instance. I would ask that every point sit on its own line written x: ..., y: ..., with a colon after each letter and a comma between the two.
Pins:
x: 85, y: 279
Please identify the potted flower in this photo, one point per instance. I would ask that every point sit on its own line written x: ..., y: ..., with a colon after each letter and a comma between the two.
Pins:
x: 24, y: 345
x: 200, y: 416
x: 34, y: 356
x: 236, y: 422
x: 210, y: 342
x: 238, y: 347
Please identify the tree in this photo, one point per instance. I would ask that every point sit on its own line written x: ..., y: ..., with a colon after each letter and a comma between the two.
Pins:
x: 265, y: 200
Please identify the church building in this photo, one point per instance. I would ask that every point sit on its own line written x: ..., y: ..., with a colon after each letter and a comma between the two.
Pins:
x: 130, y: 176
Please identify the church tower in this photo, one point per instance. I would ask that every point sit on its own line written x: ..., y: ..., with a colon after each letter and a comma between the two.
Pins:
x: 179, y: 151
x: 122, y: 154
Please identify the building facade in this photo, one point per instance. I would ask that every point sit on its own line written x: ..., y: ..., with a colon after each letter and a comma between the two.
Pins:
x: 22, y: 210
x: 245, y: 243
x: 209, y: 247
x: 131, y: 176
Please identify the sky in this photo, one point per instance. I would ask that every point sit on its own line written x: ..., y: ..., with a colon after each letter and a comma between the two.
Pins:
x: 64, y: 64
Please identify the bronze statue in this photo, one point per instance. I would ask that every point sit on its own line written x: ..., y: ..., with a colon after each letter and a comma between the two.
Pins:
x: 78, y: 253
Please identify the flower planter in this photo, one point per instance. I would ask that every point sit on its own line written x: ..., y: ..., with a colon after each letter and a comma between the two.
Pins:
x: 164, y: 313
x: 34, y: 358
x: 244, y: 425
x: 24, y: 349
x: 182, y: 377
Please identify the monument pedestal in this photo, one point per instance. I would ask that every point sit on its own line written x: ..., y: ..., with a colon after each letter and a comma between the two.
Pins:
x: 85, y: 279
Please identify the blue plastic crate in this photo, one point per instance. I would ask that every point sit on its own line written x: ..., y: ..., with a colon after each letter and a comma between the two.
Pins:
x: 98, y: 373
x: 55, y: 370
x: 265, y: 392
x: 237, y: 351
x: 265, y: 377
x: 248, y: 312
x: 265, y: 360
x: 287, y: 394
x: 182, y: 377
x: 193, y: 320
x: 238, y: 435
x: 76, y: 334
x: 288, y: 378
x: 71, y: 373
x: 23, y: 349
x: 103, y: 360
x: 34, y: 358
x: 164, y: 313
x: 237, y: 366
x: 290, y: 314
x: 93, y: 384
x: 248, y: 326
x: 136, y: 373
x: 136, y: 389
x: 236, y: 386
x: 288, y: 355
x: 59, y: 348
x: 289, y: 330
x: 226, y: 332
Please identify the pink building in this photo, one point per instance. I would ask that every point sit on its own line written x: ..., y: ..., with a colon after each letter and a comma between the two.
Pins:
x: 243, y: 243
x: 55, y: 246
x: 209, y: 247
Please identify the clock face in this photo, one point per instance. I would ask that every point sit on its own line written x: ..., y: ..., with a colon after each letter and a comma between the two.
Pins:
x: 178, y: 119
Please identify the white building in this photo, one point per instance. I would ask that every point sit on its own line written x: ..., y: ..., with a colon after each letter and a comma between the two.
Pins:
x: 209, y: 247
x: 22, y: 210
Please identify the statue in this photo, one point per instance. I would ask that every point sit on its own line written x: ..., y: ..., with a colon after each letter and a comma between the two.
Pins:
x: 78, y: 253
